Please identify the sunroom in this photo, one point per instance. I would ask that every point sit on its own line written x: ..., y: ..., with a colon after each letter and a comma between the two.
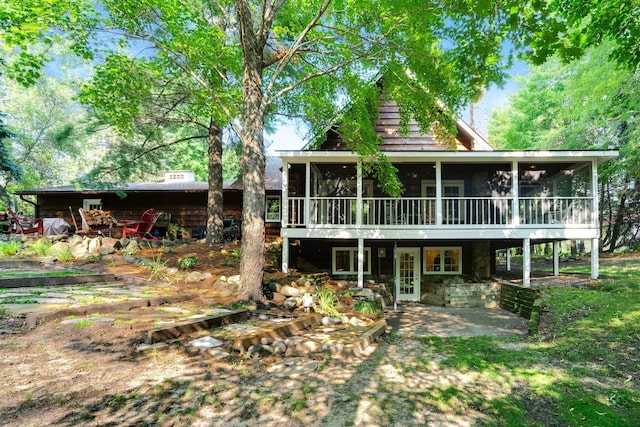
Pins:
x: 513, y: 198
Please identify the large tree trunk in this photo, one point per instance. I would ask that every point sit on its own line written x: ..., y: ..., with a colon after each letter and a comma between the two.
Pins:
x: 253, y: 159
x: 214, y: 198
x: 618, y: 222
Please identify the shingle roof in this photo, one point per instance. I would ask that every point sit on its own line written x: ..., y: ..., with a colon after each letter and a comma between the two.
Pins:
x: 273, y: 182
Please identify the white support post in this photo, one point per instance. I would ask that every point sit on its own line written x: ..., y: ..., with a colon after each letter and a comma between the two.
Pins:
x: 508, y: 255
x: 595, y: 258
x: 439, y: 192
x: 526, y: 262
x: 284, y: 221
x: 307, y: 193
x: 360, y: 263
x: 515, y: 183
x: 359, y: 193
x: 285, y: 255
x: 556, y: 258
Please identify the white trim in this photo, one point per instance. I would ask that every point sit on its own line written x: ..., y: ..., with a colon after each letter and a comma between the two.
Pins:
x: 89, y: 204
x: 417, y: 282
x: 442, y: 256
x: 457, y: 156
x: 353, y: 260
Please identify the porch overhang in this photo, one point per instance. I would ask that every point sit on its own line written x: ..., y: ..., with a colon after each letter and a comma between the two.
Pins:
x: 454, y: 156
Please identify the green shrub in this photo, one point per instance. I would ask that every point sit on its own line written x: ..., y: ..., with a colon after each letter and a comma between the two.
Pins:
x: 10, y: 248
x: 187, y: 263
x: 366, y: 306
x: 327, y: 299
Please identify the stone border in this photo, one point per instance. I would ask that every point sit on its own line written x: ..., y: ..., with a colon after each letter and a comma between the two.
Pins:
x: 35, y: 280
x: 242, y: 343
x: 359, y: 347
x: 34, y: 319
x: 172, y: 332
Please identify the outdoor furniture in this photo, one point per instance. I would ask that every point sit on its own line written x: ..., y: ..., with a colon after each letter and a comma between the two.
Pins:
x: 94, y: 221
x: 18, y: 228
x: 143, y: 228
x: 54, y: 226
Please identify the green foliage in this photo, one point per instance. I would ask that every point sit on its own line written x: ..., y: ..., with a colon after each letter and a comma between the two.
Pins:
x: 325, y: 302
x: 367, y: 307
x: 187, y: 263
x: 64, y: 255
x: 10, y: 248
x: 42, y: 246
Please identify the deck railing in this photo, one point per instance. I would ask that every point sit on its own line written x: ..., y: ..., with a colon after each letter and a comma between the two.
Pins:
x: 422, y: 211
x: 556, y: 210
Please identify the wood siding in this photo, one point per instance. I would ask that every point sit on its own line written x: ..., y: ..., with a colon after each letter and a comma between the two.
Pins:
x: 387, y: 126
x: 187, y: 209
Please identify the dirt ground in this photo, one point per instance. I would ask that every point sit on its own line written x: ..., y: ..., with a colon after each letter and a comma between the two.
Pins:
x: 65, y: 375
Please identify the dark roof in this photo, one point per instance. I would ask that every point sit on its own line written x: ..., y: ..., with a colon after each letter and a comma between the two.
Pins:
x: 273, y: 183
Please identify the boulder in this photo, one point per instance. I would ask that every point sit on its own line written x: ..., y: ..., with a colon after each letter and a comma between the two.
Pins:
x: 290, y: 291
x: 290, y: 303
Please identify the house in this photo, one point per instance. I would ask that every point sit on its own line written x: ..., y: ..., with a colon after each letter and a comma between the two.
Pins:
x: 179, y: 197
x: 457, y: 209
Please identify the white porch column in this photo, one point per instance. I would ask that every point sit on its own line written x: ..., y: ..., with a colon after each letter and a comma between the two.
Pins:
x: 526, y: 262
x: 515, y: 183
x: 284, y: 197
x: 508, y: 255
x: 438, y: 192
x: 595, y: 243
x: 595, y: 258
x: 359, y: 193
x: 285, y: 255
x: 556, y: 258
x: 360, y: 263
x: 307, y: 193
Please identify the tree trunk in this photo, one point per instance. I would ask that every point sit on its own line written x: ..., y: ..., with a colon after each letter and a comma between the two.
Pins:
x: 617, y: 224
x: 214, y: 197
x: 253, y: 159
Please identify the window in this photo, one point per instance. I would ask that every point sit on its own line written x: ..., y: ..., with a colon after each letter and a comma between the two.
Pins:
x: 446, y: 260
x: 89, y: 204
x: 345, y: 260
x: 272, y: 209
x: 452, y: 203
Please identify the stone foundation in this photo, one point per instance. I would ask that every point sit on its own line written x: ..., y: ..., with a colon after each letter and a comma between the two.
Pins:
x: 457, y: 293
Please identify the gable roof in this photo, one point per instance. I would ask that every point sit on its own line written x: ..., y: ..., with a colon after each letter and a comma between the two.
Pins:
x: 387, y: 127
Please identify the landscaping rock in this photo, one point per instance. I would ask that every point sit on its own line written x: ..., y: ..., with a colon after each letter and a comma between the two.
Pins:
x: 194, y: 277
x: 290, y: 291
x: 290, y: 303
x: 205, y: 343
x: 234, y: 280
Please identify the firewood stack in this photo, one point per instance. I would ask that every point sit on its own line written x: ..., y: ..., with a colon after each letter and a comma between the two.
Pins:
x: 99, y: 218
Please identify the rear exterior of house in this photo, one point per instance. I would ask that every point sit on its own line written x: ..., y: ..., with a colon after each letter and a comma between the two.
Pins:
x: 178, y: 197
x: 457, y: 209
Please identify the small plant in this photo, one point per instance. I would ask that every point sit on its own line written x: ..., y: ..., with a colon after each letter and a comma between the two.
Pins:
x: 366, y: 306
x: 187, y: 263
x: 64, y: 255
x: 157, y: 268
x: 130, y: 250
x: 327, y: 302
x: 41, y: 246
x: 10, y: 248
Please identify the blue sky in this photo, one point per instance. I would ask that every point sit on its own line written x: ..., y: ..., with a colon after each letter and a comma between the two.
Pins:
x: 290, y: 137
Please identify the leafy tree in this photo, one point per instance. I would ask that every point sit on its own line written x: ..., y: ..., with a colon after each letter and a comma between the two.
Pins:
x: 308, y: 59
x: 590, y: 103
x: 567, y: 28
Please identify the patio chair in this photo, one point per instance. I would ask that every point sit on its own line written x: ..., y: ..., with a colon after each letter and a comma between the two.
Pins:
x: 143, y: 228
x: 20, y: 228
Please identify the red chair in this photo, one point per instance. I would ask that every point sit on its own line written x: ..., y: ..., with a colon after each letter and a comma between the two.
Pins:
x: 20, y: 229
x: 142, y: 228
